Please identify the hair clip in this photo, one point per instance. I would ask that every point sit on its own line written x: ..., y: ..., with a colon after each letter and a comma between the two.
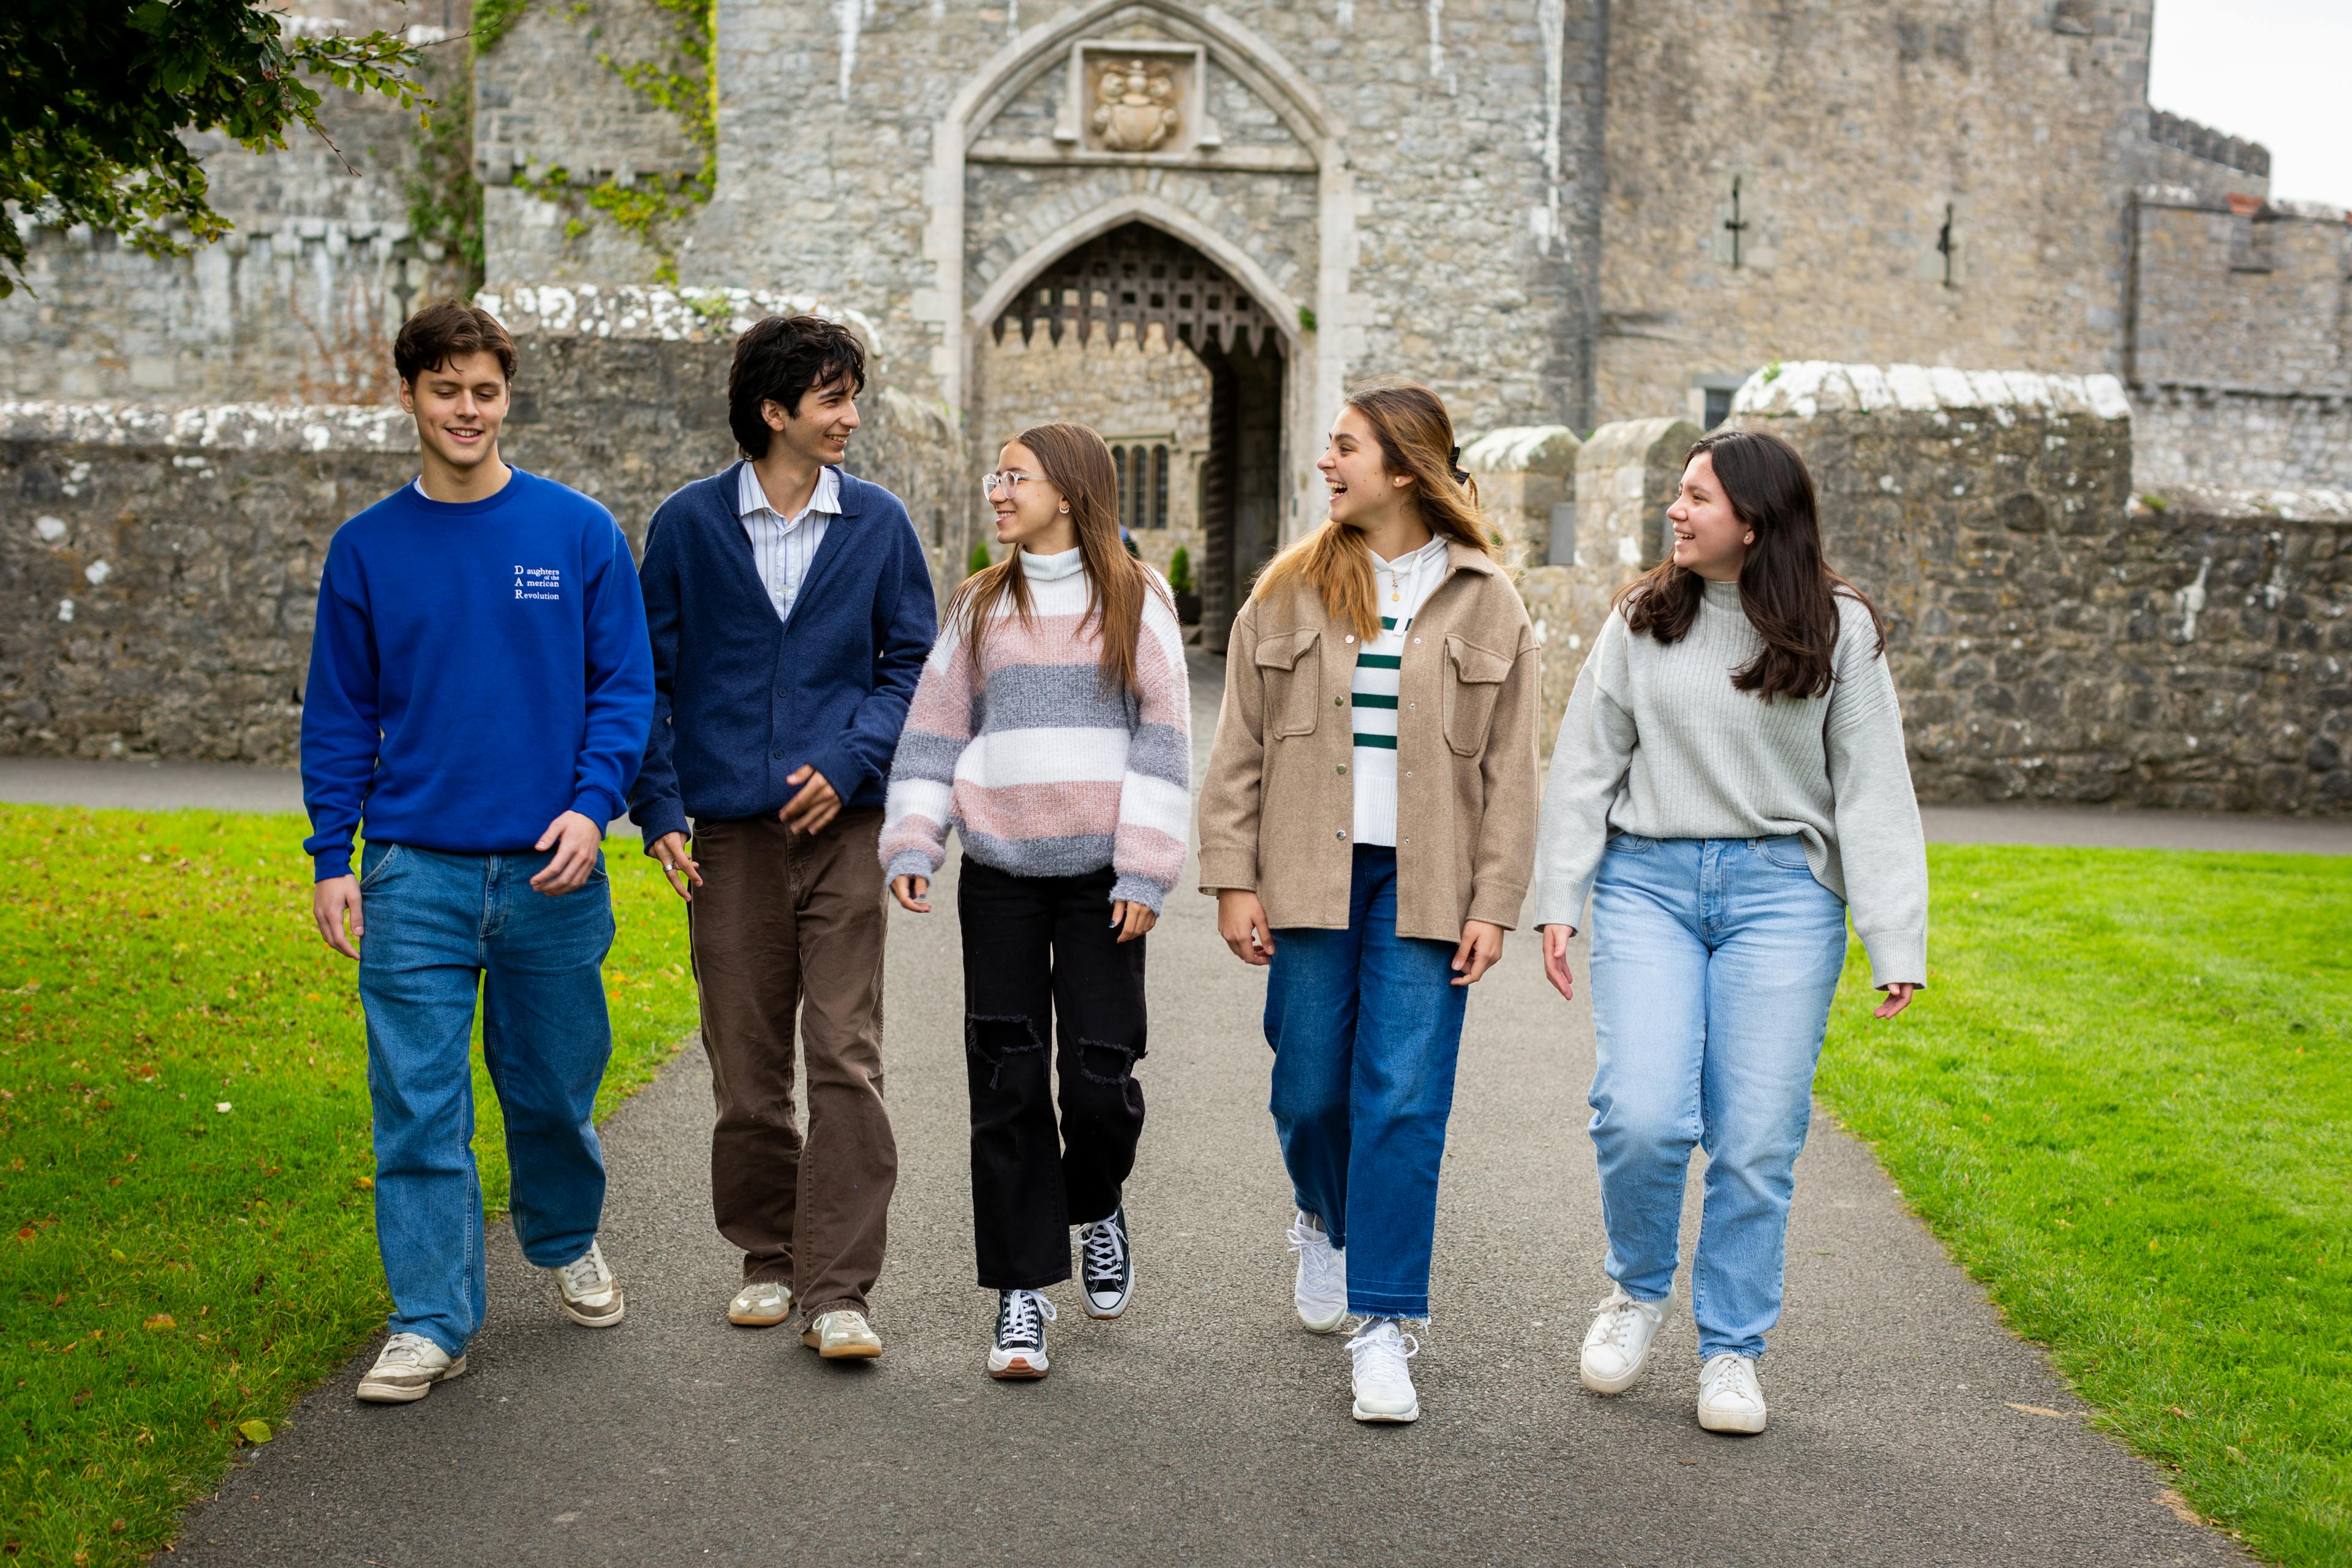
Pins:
x: 1453, y: 461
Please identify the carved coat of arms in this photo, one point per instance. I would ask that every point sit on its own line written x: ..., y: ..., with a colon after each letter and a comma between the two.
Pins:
x: 1135, y: 106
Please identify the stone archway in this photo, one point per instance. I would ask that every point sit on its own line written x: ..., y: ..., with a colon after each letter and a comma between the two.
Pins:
x: 1183, y: 368
x: 1252, y: 176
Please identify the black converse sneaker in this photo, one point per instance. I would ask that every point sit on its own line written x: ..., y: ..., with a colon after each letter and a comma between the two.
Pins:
x: 1020, y: 1348
x: 1106, y: 1266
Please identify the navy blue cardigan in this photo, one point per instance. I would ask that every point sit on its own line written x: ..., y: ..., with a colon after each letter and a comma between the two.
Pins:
x: 741, y: 698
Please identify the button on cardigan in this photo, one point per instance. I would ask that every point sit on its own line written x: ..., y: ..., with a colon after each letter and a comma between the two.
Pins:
x: 742, y: 699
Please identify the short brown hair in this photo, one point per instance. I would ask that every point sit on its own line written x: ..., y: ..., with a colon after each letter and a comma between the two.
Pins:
x: 447, y: 330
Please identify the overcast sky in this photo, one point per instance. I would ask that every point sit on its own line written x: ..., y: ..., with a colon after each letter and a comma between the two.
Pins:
x: 2273, y: 72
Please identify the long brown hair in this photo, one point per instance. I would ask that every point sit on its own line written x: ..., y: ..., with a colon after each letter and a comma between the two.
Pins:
x: 1416, y: 437
x: 1075, y: 461
x: 1786, y: 588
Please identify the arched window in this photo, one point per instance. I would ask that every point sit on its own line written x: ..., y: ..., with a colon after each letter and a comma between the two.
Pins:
x: 1142, y: 471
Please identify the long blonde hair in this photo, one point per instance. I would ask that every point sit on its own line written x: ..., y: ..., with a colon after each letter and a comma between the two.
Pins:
x: 1416, y: 437
x: 1077, y: 462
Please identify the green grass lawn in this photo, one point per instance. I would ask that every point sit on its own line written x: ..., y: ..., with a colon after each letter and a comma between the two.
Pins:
x: 186, y: 1236
x: 2125, y: 1106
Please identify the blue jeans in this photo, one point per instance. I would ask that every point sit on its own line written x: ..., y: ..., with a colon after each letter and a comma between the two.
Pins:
x: 1366, y: 1026
x: 437, y: 926
x: 1714, y: 962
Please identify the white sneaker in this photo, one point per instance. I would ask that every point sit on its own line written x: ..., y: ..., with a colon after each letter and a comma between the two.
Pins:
x: 407, y: 1369
x: 1020, y: 1348
x: 1729, y: 1398
x: 1617, y: 1346
x: 762, y: 1304
x: 1383, y: 1382
x: 592, y: 1297
x: 1321, y: 1289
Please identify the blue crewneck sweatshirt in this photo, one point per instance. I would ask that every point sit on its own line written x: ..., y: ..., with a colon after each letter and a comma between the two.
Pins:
x: 477, y: 669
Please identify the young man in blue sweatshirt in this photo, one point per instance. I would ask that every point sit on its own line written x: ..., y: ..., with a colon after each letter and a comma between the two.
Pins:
x: 789, y: 607
x: 479, y: 694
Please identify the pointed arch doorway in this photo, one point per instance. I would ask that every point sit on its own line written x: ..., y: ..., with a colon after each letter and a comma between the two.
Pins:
x: 1141, y: 335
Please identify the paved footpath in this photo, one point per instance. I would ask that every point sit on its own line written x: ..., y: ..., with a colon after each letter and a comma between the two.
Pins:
x: 1205, y: 1427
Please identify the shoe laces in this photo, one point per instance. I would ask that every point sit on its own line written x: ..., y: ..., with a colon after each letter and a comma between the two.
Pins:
x: 1618, y: 1315
x: 1730, y: 1375
x: 1104, y: 1247
x: 1380, y: 1349
x: 584, y: 1273
x: 1017, y: 1318
x: 409, y: 1350
x: 1306, y: 1241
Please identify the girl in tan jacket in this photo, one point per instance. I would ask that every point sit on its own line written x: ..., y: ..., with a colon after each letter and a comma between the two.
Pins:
x: 1371, y: 799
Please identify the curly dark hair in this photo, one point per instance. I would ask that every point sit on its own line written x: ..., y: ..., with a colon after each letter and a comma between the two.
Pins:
x: 778, y: 361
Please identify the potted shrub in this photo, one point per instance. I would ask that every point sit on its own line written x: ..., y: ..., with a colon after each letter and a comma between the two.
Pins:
x: 1180, y: 582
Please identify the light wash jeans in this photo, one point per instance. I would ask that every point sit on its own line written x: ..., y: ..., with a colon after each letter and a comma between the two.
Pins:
x: 1713, y: 966
x: 437, y: 926
x: 1366, y: 1026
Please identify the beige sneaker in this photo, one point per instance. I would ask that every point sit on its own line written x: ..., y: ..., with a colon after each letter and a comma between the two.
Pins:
x: 762, y: 1304
x: 407, y: 1369
x: 841, y: 1335
x: 592, y: 1297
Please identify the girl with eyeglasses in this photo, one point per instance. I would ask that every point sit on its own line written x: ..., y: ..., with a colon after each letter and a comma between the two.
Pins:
x: 1052, y: 730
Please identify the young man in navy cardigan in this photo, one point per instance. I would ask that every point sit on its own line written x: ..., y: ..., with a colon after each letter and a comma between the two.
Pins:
x: 789, y: 607
x: 479, y: 693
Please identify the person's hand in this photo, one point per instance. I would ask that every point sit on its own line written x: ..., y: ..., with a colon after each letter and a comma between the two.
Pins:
x: 1481, y: 950
x: 1240, y: 920
x: 574, y: 838
x: 1555, y: 945
x: 684, y: 871
x: 332, y: 903
x: 1898, y: 996
x: 1131, y: 918
x: 913, y: 893
x: 816, y: 803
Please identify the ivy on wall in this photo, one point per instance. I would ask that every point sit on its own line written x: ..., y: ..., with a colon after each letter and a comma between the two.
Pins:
x: 444, y: 195
x: 684, y: 84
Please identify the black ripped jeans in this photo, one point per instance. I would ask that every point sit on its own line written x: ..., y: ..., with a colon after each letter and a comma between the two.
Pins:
x: 1040, y: 959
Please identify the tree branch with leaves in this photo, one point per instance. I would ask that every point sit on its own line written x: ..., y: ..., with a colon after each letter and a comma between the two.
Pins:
x: 97, y: 97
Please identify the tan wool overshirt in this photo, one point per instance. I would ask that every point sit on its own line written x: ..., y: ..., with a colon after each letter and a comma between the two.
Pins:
x: 1279, y: 804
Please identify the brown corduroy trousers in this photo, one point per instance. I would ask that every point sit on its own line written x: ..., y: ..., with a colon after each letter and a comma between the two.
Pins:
x: 789, y: 924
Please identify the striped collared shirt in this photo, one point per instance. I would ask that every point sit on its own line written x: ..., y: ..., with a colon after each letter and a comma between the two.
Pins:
x: 782, y: 547
x: 1402, y: 588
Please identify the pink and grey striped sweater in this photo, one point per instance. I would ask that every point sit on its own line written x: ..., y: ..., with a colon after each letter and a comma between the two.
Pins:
x: 1043, y: 771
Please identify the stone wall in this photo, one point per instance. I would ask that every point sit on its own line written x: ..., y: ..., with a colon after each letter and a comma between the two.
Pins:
x: 159, y: 567
x: 2218, y: 438
x: 2240, y: 353
x: 2053, y: 637
x: 1853, y: 132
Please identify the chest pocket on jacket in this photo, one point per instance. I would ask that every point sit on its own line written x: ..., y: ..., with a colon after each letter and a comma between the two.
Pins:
x: 1473, y: 681
x: 1293, y: 678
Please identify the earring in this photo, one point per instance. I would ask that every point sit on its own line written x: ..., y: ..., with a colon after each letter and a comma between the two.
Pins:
x: 1750, y: 539
x: 1066, y: 511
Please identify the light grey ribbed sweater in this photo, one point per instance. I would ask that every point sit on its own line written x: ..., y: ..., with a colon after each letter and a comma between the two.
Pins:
x: 1658, y: 742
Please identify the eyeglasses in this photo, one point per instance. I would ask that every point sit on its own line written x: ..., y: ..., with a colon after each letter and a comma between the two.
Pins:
x: 1010, y: 480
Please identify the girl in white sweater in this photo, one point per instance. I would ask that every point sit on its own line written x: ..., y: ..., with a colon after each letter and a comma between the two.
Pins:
x: 1729, y: 780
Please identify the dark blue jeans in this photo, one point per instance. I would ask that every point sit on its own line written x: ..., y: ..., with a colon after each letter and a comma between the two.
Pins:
x: 1366, y: 1026
x: 437, y: 927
